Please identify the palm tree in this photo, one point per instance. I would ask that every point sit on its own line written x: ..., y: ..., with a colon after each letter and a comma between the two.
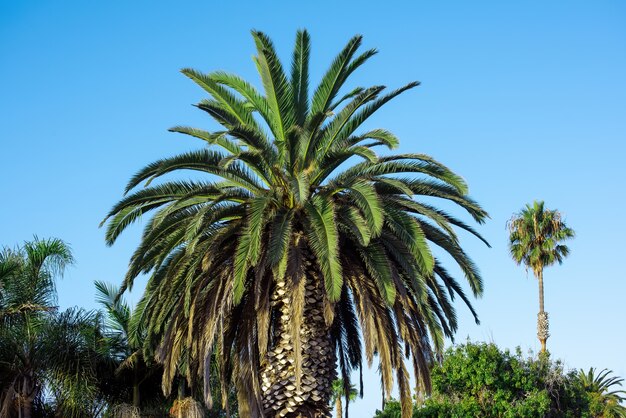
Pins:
x: 31, y: 332
x: 605, y: 402
x: 339, y: 390
x: 124, y: 342
x: 278, y: 258
x: 535, y: 239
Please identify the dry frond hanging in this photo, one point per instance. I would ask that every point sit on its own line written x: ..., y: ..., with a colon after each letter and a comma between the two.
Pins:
x: 186, y: 408
x: 125, y: 410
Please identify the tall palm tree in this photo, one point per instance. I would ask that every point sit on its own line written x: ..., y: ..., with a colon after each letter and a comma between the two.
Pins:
x: 339, y: 392
x: 535, y: 240
x: 605, y: 400
x: 278, y: 257
x: 31, y: 332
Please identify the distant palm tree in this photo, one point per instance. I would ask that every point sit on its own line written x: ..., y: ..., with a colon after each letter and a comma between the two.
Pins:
x: 281, y: 258
x: 40, y: 347
x: 340, y: 391
x: 606, y: 401
x: 535, y: 240
x: 124, y: 342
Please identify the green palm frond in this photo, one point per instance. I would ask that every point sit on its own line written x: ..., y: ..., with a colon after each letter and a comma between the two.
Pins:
x: 604, y: 389
x: 534, y: 236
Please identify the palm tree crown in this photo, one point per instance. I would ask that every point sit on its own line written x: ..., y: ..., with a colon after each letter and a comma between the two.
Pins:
x: 283, y: 261
x: 605, y: 398
x: 535, y: 237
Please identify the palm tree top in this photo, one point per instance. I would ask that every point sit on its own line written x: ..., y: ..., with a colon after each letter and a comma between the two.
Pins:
x: 280, y: 151
x: 606, y: 389
x: 535, y: 237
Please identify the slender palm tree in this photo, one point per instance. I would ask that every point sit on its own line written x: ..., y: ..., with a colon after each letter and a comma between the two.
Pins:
x: 284, y: 260
x: 535, y: 240
x: 31, y: 332
x: 601, y: 389
x: 340, y: 391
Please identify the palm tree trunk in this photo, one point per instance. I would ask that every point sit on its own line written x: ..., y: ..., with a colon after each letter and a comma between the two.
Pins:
x: 540, y: 279
x: 136, y: 398
x: 338, y: 409
x: 281, y: 396
x: 25, y: 408
x: 542, y: 317
x: 181, y: 396
x: 28, y: 408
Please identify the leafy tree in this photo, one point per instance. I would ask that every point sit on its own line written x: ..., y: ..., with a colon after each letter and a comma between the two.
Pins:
x: 604, y: 400
x: 479, y: 380
x: 32, y: 333
x: 340, y: 391
x: 535, y: 239
x: 280, y: 259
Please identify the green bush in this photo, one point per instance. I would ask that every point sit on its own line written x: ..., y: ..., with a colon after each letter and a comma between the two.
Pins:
x: 480, y: 380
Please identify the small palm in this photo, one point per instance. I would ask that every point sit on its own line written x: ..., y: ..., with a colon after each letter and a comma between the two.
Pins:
x: 341, y: 392
x: 604, y: 392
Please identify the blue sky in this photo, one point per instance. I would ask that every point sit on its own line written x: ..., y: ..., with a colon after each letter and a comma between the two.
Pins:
x: 526, y: 100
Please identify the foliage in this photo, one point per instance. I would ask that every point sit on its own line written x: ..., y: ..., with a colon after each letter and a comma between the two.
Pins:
x: 480, y: 380
x: 133, y: 384
x: 279, y: 193
x: 341, y: 391
x: 127, y: 378
x: 605, y: 400
x: 535, y: 237
x: 32, y: 331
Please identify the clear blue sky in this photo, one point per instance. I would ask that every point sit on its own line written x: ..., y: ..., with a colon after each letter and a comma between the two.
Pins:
x: 526, y: 100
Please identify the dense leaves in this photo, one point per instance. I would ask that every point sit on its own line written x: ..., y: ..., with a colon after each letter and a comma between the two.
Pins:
x: 606, y: 398
x: 480, y: 380
x: 32, y: 330
x: 536, y: 235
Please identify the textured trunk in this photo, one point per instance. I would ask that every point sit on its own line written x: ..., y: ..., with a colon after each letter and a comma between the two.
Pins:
x: 542, y: 317
x: 338, y: 409
x: 307, y: 395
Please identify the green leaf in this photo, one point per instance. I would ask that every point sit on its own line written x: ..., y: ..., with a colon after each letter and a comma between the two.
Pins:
x: 277, y: 89
x: 218, y: 138
x: 368, y: 201
x: 280, y: 236
x: 355, y: 222
x: 377, y: 263
x: 324, y: 241
x: 226, y: 99
x: 300, y: 76
x: 334, y: 77
x: 300, y: 186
